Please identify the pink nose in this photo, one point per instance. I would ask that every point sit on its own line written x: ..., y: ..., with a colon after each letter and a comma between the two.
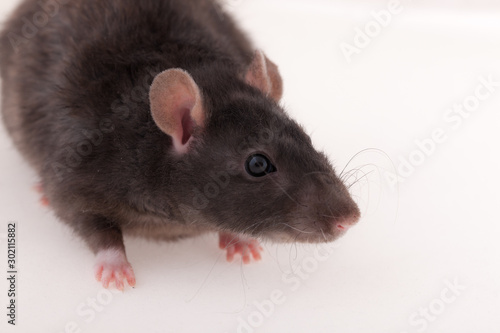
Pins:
x: 346, y: 223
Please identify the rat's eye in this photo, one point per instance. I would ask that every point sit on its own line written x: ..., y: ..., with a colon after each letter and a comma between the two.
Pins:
x: 259, y: 165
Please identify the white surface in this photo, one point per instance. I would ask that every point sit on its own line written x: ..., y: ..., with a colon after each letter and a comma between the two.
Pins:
x: 395, y: 91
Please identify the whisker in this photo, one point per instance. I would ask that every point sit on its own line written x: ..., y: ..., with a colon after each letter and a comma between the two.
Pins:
x: 294, y: 243
x: 353, y: 172
x: 365, y: 150
x: 324, y: 236
x: 365, y: 175
x: 350, y: 173
x: 331, y: 216
x: 296, y: 229
x: 206, y: 278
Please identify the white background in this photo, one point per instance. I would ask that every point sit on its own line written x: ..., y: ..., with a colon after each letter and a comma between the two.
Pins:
x: 440, y: 224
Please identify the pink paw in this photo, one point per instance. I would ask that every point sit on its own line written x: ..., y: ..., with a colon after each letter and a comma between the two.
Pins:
x: 112, y: 266
x: 246, y: 247
x: 43, y: 200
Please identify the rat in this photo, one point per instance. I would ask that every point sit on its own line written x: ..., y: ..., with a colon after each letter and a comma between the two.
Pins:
x: 159, y: 119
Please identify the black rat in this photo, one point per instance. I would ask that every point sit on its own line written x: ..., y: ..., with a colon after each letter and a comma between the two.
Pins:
x: 157, y: 118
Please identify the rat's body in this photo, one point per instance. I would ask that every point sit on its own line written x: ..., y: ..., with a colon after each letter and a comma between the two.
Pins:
x: 116, y: 156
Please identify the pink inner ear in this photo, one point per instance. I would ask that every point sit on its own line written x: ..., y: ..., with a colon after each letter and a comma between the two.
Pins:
x: 187, y: 126
x: 176, y: 106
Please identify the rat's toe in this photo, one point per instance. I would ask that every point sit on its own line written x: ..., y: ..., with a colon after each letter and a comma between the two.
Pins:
x: 255, y: 250
x: 44, y: 201
x: 245, y: 246
x: 230, y: 253
x: 119, y: 280
x: 129, y: 275
x: 98, y: 272
x: 107, y: 276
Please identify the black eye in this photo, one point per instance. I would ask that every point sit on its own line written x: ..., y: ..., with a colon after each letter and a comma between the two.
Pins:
x: 259, y: 165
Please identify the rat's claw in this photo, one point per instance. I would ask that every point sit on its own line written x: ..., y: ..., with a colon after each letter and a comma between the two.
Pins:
x: 112, y: 266
x: 245, y: 246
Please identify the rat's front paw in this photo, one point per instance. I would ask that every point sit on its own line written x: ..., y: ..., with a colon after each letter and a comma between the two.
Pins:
x: 245, y: 246
x: 112, y: 266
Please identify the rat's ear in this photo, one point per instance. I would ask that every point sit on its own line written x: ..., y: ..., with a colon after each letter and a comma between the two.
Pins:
x: 176, y: 106
x: 263, y: 74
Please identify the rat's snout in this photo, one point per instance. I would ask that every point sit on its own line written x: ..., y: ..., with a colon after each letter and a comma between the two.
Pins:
x: 333, y: 219
x: 326, y: 210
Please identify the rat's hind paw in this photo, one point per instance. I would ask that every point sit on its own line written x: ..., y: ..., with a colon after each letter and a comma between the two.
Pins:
x: 43, y: 200
x: 233, y: 244
x: 112, y: 266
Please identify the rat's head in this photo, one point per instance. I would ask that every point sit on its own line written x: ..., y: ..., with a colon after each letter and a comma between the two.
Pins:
x: 244, y: 166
